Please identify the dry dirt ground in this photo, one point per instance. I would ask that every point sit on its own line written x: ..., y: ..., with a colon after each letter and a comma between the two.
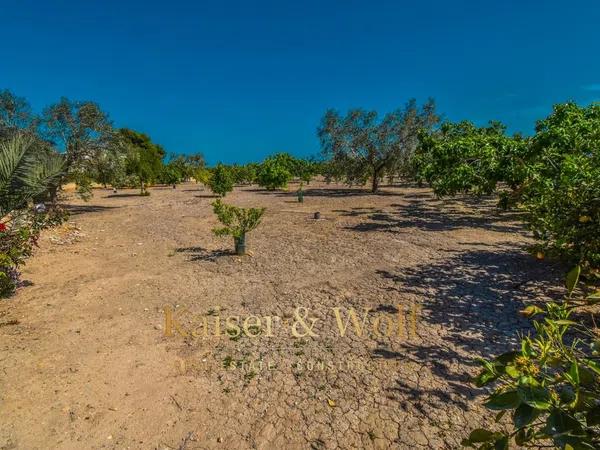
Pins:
x: 85, y: 363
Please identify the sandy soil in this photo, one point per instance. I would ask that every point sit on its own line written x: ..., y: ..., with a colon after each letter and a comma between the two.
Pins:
x: 85, y: 362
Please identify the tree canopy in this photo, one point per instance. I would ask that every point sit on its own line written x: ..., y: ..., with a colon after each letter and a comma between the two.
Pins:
x: 361, y: 146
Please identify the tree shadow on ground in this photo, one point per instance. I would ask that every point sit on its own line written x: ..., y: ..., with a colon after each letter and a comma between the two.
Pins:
x: 451, y: 386
x: 124, y: 195
x: 202, y: 254
x: 429, y: 215
x: 469, y: 305
x: 206, y: 196
x: 82, y: 209
x: 326, y: 193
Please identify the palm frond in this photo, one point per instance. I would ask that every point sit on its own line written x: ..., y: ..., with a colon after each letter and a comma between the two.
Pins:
x: 26, y: 171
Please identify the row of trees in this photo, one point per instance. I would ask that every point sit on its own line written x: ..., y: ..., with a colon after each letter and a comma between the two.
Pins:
x: 552, y: 176
x: 93, y: 151
x: 275, y: 172
x: 547, y: 392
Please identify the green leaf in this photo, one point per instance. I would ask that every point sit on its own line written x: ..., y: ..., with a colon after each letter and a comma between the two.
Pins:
x: 513, y: 372
x: 559, y: 422
x: 593, y: 298
x: 531, y: 311
x: 526, y: 347
x: 573, y: 374
x: 562, y: 322
x: 592, y: 365
x: 500, y: 415
x: 485, y: 377
x: 535, y: 396
x: 481, y: 435
x: 501, y: 443
x: 573, y: 278
x: 504, y: 400
x: 524, y: 415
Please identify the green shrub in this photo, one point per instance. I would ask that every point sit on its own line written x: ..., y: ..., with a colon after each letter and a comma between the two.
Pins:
x: 170, y: 174
x: 275, y: 172
x: 463, y: 158
x: 18, y: 237
x: 562, y: 196
x: 221, y: 180
x: 550, y: 387
x: 237, y: 222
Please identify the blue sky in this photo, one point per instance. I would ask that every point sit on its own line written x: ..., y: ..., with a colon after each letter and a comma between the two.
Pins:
x: 240, y: 80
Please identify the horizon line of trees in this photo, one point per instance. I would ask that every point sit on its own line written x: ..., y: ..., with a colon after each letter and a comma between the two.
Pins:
x: 92, y: 151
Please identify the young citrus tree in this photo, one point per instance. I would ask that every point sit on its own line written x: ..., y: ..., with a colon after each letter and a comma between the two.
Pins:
x: 237, y: 222
x: 221, y: 180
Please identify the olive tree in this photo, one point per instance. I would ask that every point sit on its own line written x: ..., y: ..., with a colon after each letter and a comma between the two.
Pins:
x: 361, y: 146
x: 83, y: 132
x: 15, y: 115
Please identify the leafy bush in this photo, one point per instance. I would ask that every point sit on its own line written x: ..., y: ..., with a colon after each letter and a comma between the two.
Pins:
x: 144, y: 158
x: 18, y: 237
x: 275, y: 172
x: 27, y: 172
x: 221, y: 180
x: 170, y: 175
x: 550, y: 386
x: 305, y: 170
x: 562, y: 196
x: 237, y: 222
x: 245, y: 174
x: 202, y: 175
x: 553, y: 176
x: 16, y: 246
x: 463, y: 158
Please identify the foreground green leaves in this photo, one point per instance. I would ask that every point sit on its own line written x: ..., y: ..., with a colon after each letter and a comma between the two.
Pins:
x: 551, y: 385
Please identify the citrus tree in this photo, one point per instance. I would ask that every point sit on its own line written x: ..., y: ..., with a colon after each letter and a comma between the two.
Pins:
x: 236, y: 222
x: 275, y: 172
x: 562, y: 196
x: 144, y: 157
x: 464, y: 158
x: 221, y: 180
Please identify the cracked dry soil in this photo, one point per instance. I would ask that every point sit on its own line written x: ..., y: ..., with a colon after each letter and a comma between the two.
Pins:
x: 85, y: 362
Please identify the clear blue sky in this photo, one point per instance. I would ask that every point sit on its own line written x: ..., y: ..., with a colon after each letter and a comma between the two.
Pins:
x: 239, y: 80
